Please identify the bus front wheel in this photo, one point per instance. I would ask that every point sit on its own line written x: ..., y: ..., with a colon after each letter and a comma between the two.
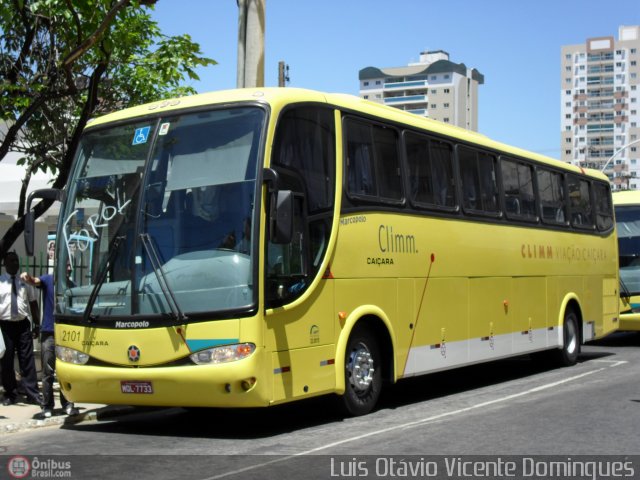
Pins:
x: 363, y: 375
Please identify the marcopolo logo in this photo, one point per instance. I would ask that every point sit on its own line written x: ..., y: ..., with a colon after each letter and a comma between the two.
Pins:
x: 139, y: 324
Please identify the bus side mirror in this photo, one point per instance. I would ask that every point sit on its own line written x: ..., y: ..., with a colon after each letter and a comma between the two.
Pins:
x: 29, y: 219
x: 282, y: 218
x: 280, y: 209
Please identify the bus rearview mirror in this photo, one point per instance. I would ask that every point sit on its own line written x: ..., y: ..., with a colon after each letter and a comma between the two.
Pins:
x: 29, y: 219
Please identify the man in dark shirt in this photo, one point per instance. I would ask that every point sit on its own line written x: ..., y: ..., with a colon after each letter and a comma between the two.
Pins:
x: 48, y: 346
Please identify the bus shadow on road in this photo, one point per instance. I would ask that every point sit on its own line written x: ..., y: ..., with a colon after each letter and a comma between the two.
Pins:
x: 253, y: 423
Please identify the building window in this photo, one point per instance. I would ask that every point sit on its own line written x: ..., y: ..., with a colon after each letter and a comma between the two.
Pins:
x: 445, y: 119
x: 366, y: 84
x: 366, y: 97
x: 446, y: 105
x: 432, y: 106
x: 434, y: 91
x: 446, y: 90
x: 378, y: 82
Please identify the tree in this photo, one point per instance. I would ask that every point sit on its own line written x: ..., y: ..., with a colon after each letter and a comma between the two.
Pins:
x: 64, y: 62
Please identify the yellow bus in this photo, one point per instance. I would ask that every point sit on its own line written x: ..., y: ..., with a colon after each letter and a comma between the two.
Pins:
x: 627, y: 209
x: 254, y: 247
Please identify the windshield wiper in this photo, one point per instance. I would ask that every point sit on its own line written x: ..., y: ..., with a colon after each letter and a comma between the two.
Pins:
x: 176, y: 312
x: 102, y: 275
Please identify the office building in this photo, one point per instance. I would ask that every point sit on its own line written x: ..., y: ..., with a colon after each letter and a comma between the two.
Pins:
x: 600, y: 107
x: 434, y: 87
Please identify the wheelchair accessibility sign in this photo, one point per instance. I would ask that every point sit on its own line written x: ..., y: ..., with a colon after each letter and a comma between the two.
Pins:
x: 141, y: 135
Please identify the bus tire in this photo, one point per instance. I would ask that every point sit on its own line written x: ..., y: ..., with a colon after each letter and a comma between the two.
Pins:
x: 363, y: 373
x: 567, y: 355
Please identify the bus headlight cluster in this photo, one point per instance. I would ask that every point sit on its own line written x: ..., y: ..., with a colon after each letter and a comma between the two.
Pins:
x: 224, y: 354
x: 69, y: 355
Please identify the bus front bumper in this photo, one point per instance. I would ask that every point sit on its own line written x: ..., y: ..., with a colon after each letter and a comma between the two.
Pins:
x: 235, y: 384
x: 629, y: 322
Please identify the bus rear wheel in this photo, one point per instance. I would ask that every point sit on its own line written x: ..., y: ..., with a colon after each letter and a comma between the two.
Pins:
x: 568, y: 354
x: 363, y: 376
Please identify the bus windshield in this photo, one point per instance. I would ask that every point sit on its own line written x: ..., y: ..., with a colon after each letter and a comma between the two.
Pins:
x: 628, y: 229
x: 168, y: 205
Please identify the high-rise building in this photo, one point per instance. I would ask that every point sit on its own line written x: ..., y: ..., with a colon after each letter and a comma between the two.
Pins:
x: 600, y: 106
x: 434, y: 87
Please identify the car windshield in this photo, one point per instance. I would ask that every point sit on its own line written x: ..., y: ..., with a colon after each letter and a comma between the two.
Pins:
x: 167, y: 207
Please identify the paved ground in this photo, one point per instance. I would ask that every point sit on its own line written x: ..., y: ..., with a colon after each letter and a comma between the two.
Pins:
x: 22, y: 416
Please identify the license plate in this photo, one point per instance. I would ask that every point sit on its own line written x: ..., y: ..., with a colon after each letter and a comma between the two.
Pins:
x: 136, y: 387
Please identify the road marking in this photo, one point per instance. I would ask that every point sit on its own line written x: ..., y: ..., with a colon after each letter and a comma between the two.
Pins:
x: 614, y: 363
x: 415, y: 423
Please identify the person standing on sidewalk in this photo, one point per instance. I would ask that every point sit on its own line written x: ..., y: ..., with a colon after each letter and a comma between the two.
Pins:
x: 17, y: 300
x: 48, y: 345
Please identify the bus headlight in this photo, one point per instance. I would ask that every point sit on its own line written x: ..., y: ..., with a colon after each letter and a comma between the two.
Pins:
x: 224, y: 354
x: 69, y: 355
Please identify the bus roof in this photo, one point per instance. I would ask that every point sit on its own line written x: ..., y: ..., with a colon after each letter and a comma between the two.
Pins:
x: 279, y: 97
x: 626, y: 197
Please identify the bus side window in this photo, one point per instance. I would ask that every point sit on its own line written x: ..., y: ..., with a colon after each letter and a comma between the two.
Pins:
x: 430, y: 168
x: 580, y: 202
x: 479, y: 188
x: 604, y: 208
x: 517, y: 182
x: 552, y: 197
x: 373, y: 162
x: 361, y: 172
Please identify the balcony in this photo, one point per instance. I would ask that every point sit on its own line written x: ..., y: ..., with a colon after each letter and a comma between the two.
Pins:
x: 405, y: 85
x: 405, y: 99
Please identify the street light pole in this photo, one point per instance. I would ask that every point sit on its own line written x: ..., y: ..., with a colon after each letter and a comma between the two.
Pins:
x: 617, y: 152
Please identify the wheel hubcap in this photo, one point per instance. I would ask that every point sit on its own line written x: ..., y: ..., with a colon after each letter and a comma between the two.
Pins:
x: 572, y: 340
x: 360, y: 368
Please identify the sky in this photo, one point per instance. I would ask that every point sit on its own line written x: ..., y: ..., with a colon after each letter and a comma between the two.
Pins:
x: 515, y: 44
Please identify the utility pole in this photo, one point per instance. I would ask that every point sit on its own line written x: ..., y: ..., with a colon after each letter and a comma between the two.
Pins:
x: 283, y: 74
x: 251, y: 22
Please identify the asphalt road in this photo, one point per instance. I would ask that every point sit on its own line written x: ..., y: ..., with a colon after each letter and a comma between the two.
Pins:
x: 507, y: 408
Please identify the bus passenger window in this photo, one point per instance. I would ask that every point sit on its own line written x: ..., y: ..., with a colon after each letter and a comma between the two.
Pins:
x: 604, y: 208
x: 479, y: 189
x: 551, y: 194
x: 430, y: 171
x: 373, y: 162
x: 517, y: 182
x: 580, y: 202
x: 361, y: 173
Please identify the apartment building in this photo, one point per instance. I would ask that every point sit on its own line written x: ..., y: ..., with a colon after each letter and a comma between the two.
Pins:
x: 433, y: 87
x: 600, y: 106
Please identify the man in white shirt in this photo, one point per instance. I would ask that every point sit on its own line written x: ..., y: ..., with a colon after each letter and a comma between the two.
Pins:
x: 18, y: 301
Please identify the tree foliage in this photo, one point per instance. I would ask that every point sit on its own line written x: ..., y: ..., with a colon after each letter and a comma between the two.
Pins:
x: 63, y: 62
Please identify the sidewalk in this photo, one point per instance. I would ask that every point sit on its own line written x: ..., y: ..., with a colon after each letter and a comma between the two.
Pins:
x: 23, y: 416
